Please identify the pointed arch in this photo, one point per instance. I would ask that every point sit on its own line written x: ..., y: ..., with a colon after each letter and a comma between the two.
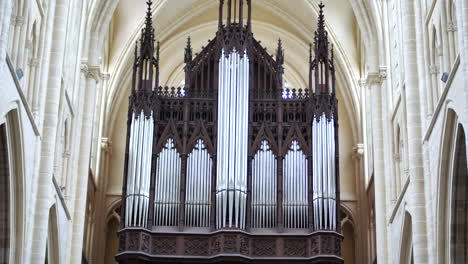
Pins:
x: 12, y: 186
x: 5, y: 212
x: 200, y: 132
x: 458, y: 248
x: 445, y: 184
x: 53, y: 243
x: 406, y: 245
x: 264, y: 134
x: 295, y: 134
x: 170, y: 131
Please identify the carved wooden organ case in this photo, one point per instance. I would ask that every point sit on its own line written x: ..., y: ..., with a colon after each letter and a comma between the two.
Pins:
x: 231, y: 168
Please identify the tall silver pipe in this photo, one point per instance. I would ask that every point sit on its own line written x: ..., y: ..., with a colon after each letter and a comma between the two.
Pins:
x: 130, y: 173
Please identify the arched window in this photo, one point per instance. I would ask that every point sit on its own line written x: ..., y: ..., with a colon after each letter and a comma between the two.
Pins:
x: 459, y: 202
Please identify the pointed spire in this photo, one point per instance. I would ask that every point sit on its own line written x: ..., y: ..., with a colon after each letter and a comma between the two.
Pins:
x: 322, y: 71
x: 321, y: 21
x: 280, y: 53
x: 321, y: 36
x: 147, y: 39
x: 188, y: 52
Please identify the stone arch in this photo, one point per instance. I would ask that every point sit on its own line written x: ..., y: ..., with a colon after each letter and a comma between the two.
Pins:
x: 406, y: 245
x: 5, y: 213
x: 445, y: 182
x: 348, y: 228
x: 112, y: 227
x: 459, y: 200
x: 52, y: 248
x: 12, y: 186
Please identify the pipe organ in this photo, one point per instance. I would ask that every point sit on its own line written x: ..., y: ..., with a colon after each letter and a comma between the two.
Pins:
x: 232, y: 167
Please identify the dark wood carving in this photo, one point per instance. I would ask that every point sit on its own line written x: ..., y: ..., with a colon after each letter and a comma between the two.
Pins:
x: 163, y: 245
x: 196, y: 246
x: 263, y: 247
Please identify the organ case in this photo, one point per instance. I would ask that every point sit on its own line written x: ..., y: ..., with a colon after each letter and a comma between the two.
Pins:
x: 231, y: 167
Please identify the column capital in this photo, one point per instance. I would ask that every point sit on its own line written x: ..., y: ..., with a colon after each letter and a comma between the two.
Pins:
x: 105, y: 76
x: 377, y: 77
x: 106, y: 145
x: 19, y: 21
x: 434, y: 69
x: 451, y: 26
x: 33, y: 62
x: 91, y: 71
x: 358, y: 151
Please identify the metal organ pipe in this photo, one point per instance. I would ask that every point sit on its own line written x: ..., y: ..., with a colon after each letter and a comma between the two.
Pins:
x: 166, y: 202
x: 231, y: 189
x: 198, y: 201
x: 139, y: 170
x: 324, y: 185
x: 264, y: 188
x: 295, y: 198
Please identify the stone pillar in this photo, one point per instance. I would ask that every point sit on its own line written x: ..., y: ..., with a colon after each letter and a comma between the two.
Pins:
x: 462, y: 30
x: 415, y: 195
x: 374, y: 82
x: 92, y: 74
x: 44, y: 192
x: 423, y: 103
x: 360, y: 226
x: 99, y: 237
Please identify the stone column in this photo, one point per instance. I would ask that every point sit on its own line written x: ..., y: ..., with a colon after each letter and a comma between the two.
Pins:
x: 360, y: 226
x: 44, y: 187
x: 415, y: 195
x: 92, y: 78
x: 423, y: 103
x: 374, y: 82
x: 99, y: 237
x: 462, y: 30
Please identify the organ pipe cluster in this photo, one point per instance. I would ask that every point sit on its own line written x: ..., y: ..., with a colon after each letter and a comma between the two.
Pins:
x: 233, y: 107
